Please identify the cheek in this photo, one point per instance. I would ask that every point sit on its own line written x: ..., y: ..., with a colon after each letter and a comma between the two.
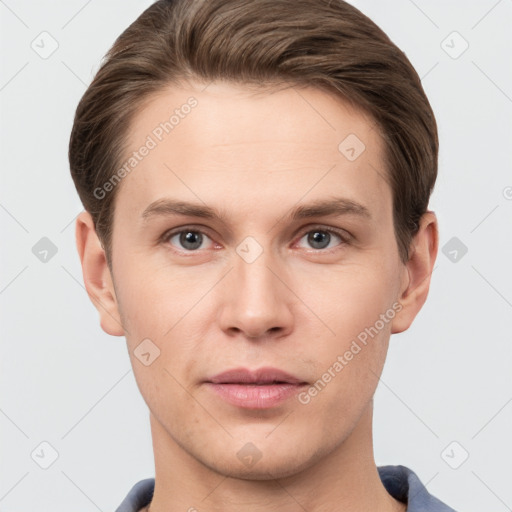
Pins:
x: 354, y: 308
x: 348, y: 365
x: 345, y: 300
x: 154, y: 298
x: 163, y: 313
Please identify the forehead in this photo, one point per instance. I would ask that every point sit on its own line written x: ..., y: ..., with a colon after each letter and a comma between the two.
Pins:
x: 226, y: 144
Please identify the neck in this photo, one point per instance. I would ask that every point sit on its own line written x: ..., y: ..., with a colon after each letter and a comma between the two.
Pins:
x: 346, y: 479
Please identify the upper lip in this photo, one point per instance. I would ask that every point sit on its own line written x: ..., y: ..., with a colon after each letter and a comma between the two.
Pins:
x: 259, y: 376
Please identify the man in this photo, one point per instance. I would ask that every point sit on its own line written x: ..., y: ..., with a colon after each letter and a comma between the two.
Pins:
x: 256, y: 177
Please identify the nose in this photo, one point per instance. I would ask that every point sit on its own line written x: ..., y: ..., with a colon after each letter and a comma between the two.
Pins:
x: 256, y: 303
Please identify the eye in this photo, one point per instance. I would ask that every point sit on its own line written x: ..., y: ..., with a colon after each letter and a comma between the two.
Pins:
x: 189, y: 240
x: 322, y: 239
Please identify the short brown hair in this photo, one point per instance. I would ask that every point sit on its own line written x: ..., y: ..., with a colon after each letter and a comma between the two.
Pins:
x: 327, y: 44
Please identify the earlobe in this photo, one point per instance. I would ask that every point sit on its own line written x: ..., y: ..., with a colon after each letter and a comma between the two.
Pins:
x: 96, y: 274
x: 418, y: 271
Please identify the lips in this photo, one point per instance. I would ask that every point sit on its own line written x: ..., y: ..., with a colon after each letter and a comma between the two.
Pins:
x: 261, y: 376
x: 263, y: 388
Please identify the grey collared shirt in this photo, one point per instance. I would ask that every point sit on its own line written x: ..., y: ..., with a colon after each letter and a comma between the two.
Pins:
x: 402, y: 483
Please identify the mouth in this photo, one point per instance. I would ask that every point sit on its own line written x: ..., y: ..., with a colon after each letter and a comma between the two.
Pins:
x: 259, y: 389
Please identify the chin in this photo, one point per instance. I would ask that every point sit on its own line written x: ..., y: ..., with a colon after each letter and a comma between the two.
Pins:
x: 266, y: 468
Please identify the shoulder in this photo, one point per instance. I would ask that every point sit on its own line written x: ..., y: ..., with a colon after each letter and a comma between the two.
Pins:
x: 139, y: 496
x: 404, y: 485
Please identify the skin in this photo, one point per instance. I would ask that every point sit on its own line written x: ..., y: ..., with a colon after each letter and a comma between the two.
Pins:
x: 254, y: 158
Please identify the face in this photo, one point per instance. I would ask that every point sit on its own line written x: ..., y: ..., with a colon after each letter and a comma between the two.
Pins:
x: 257, y: 233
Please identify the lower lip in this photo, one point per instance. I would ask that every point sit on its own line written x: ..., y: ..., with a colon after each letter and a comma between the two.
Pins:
x: 255, y: 396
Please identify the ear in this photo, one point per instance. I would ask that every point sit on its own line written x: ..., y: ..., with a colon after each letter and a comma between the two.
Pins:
x: 97, y: 278
x: 417, y: 272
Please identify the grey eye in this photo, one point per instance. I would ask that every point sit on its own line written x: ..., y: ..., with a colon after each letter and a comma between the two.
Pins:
x: 319, y: 239
x: 189, y: 240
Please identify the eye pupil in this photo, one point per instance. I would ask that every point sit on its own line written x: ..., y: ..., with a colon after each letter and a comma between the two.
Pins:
x: 191, y: 239
x: 319, y: 239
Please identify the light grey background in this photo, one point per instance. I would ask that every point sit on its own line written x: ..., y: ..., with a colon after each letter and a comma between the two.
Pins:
x: 67, y: 383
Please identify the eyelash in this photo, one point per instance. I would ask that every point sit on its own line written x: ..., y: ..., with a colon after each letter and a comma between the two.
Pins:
x: 344, y: 236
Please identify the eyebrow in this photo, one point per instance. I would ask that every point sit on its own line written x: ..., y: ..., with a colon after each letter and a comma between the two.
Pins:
x: 319, y: 208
